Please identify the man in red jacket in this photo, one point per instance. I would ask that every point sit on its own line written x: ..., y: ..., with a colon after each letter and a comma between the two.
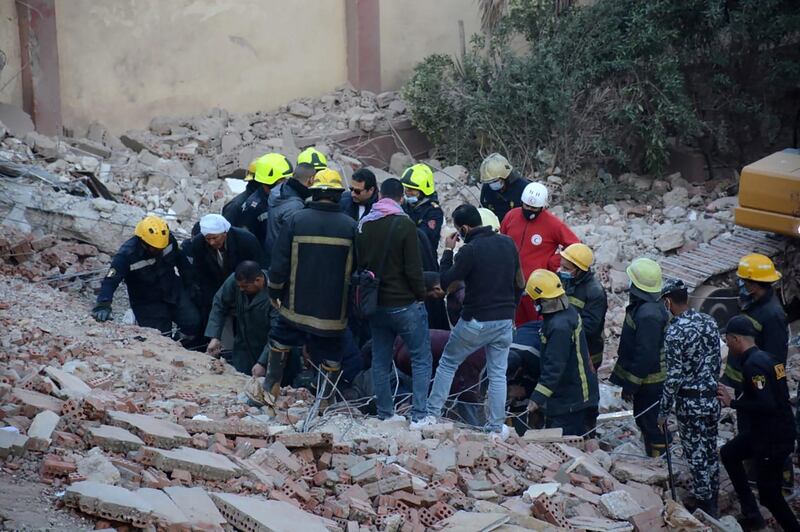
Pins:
x: 538, y: 236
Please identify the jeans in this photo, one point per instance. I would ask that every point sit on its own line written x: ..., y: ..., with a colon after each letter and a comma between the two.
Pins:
x: 466, y: 338
x: 411, y: 324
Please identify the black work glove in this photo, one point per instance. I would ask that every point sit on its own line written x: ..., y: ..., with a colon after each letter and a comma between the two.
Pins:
x: 102, y: 311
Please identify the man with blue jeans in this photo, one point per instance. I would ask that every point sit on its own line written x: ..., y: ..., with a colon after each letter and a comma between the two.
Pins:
x: 386, y: 244
x: 489, y: 266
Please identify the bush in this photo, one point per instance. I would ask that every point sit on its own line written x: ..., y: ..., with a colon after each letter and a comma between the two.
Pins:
x: 615, y: 84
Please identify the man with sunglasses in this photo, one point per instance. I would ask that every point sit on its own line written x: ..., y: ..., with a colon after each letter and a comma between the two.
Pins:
x: 363, y: 194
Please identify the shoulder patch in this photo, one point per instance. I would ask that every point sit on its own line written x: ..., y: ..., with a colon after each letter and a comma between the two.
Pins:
x: 111, y: 272
x: 759, y: 381
x: 435, y: 204
x: 780, y: 371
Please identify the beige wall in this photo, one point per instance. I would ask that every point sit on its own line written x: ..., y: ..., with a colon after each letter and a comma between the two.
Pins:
x: 124, y: 61
x: 9, y: 43
x: 414, y: 29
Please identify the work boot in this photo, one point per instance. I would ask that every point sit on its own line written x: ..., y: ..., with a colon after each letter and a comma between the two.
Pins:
x: 272, y: 382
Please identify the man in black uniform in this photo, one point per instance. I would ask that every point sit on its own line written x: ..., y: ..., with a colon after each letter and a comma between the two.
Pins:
x: 765, y: 403
x: 502, y: 186
x: 585, y: 294
x: 421, y: 203
x: 232, y: 211
x: 270, y: 170
x: 147, y: 263
x: 567, y: 390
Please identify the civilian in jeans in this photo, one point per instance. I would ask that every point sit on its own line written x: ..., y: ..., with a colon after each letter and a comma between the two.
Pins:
x: 401, y: 295
x: 489, y: 266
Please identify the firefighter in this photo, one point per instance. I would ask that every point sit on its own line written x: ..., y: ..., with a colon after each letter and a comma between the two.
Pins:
x: 314, y: 157
x: 567, y: 390
x: 147, y: 263
x: 764, y: 401
x: 585, y: 294
x: 270, y: 170
x: 285, y: 199
x: 308, y: 284
x: 232, y: 211
x: 421, y: 202
x: 501, y: 185
x: 640, y: 369
x: 538, y: 235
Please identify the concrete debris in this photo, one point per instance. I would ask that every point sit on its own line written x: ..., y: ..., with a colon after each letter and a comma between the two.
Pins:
x: 619, y: 505
x: 114, y: 439
x: 198, y: 507
x: 251, y: 513
x: 109, y: 502
x: 95, y: 466
x: 42, y: 428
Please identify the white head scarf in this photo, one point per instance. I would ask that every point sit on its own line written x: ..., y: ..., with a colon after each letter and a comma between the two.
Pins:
x: 214, y: 224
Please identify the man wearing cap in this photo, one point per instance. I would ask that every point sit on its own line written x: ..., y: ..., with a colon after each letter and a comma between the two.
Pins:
x: 215, y: 253
x: 641, y: 369
x: 692, y: 354
x: 764, y: 402
x: 501, y: 185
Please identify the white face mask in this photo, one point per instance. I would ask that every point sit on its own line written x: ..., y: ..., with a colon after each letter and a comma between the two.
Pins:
x: 496, y: 185
x: 411, y: 200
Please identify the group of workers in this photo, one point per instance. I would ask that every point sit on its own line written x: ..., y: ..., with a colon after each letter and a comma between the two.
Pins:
x: 518, y: 300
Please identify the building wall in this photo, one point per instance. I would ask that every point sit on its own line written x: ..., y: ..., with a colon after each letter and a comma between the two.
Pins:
x: 413, y: 29
x: 124, y: 61
x: 9, y: 43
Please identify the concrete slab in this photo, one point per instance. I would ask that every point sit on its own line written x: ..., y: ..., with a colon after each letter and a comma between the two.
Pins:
x: 197, y: 506
x: 69, y: 386
x: 201, y: 464
x: 12, y: 443
x: 35, y: 400
x: 165, y: 512
x: 153, y: 431
x: 473, y: 522
x: 109, y: 502
x: 114, y: 439
x: 261, y: 515
x: 42, y: 428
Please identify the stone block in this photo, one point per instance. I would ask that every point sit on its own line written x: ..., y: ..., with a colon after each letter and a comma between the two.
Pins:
x: 42, y: 428
x: 261, y: 515
x: 198, y: 507
x: 12, y: 443
x: 201, y: 464
x: 109, y: 502
x: 619, y: 505
x: 626, y: 470
x: 114, y: 439
x: 153, y: 431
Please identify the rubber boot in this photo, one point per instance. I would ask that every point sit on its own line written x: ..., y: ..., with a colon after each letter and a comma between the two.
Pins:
x: 272, y: 382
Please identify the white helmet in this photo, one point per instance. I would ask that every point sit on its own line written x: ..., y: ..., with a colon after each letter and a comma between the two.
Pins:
x: 535, y: 195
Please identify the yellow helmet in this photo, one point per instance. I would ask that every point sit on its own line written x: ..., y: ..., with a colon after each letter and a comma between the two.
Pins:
x: 251, y: 171
x: 757, y: 267
x: 153, y: 231
x: 495, y: 167
x: 544, y: 284
x: 645, y: 274
x: 419, y: 177
x: 314, y: 157
x: 489, y: 218
x: 580, y: 255
x: 271, y: 168
x: 327, y: 179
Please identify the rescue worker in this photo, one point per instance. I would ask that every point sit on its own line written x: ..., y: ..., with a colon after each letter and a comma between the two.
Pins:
x: 147, y: 263
x: 362, y: 196
x: 585, y: 294
x: 692, y: 355
x: 567, y: 391
x: 489, y: 218
x: 756, y: 273
x: 314, y: 157
x: 308, y: 284
x: 287, y: 198
x: 764, y: 401
x: 215, y: 253
x: 242, y: 296
x: 270, y: 170
x: 232, y: 210
x: 538, y: 235
x: 640, y: 369
x: 421, y: 202
x: 501, y: 185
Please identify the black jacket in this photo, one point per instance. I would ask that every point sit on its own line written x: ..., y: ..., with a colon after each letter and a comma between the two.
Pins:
x: 284, y: 200
x: 255, y: 213
x: 488, y: 264
x: 588, y: 296
x: 641, y: 361
x: 567, y: 382
x: 208, y: 275
x: 772, y: 335
x: 350, y: 207
x: 500, y: 202
x: 311, y: 265
x: 151, y: 280
x: 428, y: 216
x: 765, y: 401
x: 232, y: 211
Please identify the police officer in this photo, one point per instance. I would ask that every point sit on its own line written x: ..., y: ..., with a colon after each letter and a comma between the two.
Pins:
x: 232, y: 211
x: 764, y: 401
x: 640, y: 367
x: 567, y: 390
x: 501, y: 185
x: 692, y: 354
x: 270, y: 169
x: 147, y: 263
x: 421, y: 203
x: 585, y: 294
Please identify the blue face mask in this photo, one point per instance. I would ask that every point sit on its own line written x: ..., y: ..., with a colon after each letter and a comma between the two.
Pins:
x: 566, y: 279
x: 745, y: 297
x: 411, y: 200
x: 496, y: 185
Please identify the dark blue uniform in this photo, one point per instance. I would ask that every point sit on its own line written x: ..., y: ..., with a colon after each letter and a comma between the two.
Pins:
x: 158, y: 296
x: 428, y: 216
x: 502, y: 201
x: 255, y: 212
x: 588, y: 296
x: 232, y: 211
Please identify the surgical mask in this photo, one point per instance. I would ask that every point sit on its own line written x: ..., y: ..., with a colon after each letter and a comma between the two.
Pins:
x: 411, y: 200
x: 496, y: 185
x: 566, y: 279
x: 745, y: 297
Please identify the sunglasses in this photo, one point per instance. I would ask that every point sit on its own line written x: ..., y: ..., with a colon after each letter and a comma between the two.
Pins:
x: 356, y: 190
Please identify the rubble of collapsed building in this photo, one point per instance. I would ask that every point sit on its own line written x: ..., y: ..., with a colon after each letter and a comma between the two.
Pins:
x: 129, y: 429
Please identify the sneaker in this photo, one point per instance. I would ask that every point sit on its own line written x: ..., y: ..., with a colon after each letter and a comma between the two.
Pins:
x: 396, y: 417
x: 424, y: 422
x: 502, y: 434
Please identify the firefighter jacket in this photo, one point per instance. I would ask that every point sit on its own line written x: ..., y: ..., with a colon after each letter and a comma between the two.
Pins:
x: 232, y: 210
x: 288, y: 198
x: 502, y: 201
x: 588, y: 296
x: 255, y: 213
x: 428, y: 216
